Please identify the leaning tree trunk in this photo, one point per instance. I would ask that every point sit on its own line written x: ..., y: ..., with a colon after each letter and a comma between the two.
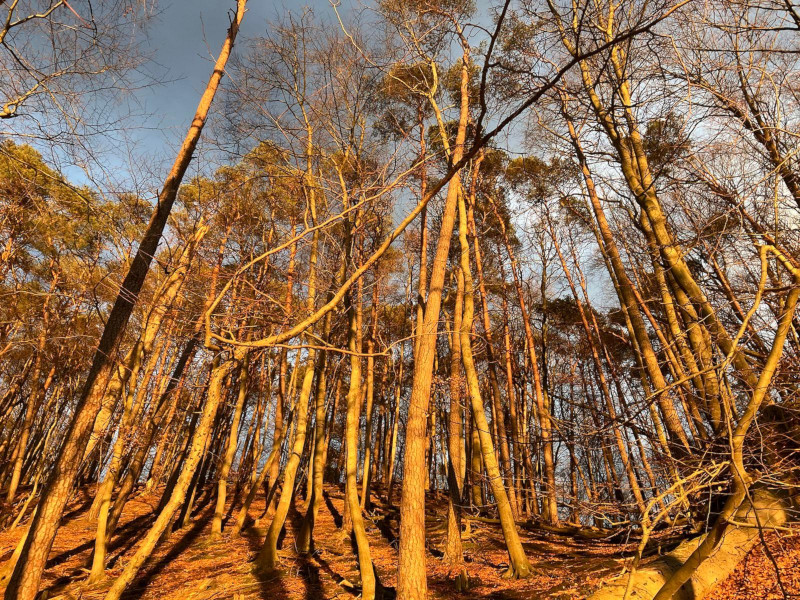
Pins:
x: 193, y: 458
x: 411, y: 575
x: 498, y: 420
x: 230, y: 450
x: 453, y: 553
x: 267, y: 559
x: 519, y: 566
x: 24, y: 582
x: 767, y: 510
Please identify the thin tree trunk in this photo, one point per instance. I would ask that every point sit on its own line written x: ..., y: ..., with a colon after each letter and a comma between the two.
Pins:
x: 369, y: 583
x: 365, y: 482
x: 230, y: 450
x: 411, y: 573
x: 519, y: 566
x: 24, y: 582
x: 195, y: 455
x: 454, y: 554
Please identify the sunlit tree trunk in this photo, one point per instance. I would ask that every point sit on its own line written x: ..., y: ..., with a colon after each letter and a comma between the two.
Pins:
x: 411, y: 573
x: 628, y: 299
x: 267, y: 559
x: 230, y: 449
x: 365, y: 483
x: 24, y: 582
x: 454, y: 554
x: 519, y: 566
x: 368, y: 580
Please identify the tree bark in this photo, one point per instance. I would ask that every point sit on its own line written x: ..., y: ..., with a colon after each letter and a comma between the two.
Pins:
x: 24, y: 582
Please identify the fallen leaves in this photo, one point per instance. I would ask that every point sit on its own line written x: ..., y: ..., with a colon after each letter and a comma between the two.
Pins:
x: 189, y: 565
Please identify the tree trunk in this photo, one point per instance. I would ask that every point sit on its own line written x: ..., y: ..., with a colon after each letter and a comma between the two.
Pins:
x: 411, y: 574
x: 230, y: 450
x: 519, y: 566
x: 369, y: 583
x: 178, y: 495
x: 453, y: 553
x: 24, y: 582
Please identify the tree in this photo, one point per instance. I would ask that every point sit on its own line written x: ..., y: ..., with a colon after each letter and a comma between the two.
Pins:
x: 24, y: 581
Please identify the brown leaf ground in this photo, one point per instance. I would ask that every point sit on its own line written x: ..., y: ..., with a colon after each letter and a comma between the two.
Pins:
x: 192, y: 566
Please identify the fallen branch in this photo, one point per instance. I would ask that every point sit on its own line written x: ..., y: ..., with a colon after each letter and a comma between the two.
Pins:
x: 767, y: 511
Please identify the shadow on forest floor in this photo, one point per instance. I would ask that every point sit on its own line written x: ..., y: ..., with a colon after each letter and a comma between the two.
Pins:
x: 191, y: 564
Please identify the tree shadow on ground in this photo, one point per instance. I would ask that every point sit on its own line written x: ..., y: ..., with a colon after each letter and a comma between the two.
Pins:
x: 307, y: 565
x: 337, y: 516
x: 151, y: 570
x: 271, y: 585
x: 132, y: 530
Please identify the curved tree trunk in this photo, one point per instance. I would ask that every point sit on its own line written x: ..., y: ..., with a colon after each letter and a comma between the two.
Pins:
x: 268, y: 556
x: 178, y: 495
x: 230, y: 450
x: 453, y: 553
x: 267, y: 559
x: 411, y: 575
x: 368, y: 579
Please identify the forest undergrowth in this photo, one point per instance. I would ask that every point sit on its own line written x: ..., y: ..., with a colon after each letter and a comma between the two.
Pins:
x: 191, y: 565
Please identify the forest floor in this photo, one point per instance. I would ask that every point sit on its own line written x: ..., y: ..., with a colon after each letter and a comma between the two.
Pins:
x: 192, y: 566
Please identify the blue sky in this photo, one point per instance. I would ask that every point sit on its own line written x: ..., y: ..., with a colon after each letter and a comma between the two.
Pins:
x: 183, y: 44
x: 183, y: 40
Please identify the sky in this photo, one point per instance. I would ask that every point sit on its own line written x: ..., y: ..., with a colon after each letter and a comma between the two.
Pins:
x: 185, y: 42
x: 181, y: 42
x: 185, y: 38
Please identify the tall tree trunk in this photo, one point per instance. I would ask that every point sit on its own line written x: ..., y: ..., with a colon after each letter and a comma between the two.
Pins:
x: 498, y: 420
x: 199, y: 441
x: 627, y: 298
x: 267, y: 558
x: 411, y: 573
x: 230, y: 450
x: 369, y: 583
x: 24, y: 582
x: 519, y: 566
x: 365, y: 482
x: 305, y: 541
x: 391, y: 460
x: 453, y: 553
